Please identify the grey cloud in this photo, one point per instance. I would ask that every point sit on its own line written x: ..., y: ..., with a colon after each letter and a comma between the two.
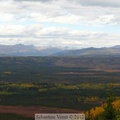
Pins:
x: 101, y: 3
x: 34, y: 0
x: 12, y: 36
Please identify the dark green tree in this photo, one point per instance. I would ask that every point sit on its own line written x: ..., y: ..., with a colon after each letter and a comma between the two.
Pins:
x: 110, y: 112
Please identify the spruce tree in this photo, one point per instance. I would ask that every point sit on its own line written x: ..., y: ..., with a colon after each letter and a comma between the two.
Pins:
x: 110, y: 112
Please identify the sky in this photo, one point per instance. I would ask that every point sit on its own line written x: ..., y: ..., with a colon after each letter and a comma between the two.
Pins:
x: 72, y: 23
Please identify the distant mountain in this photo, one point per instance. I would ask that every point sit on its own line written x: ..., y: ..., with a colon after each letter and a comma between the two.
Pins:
x: 117, y: 46
x: 91, y: 51
x: 26, y: 50
x: 30, y: 50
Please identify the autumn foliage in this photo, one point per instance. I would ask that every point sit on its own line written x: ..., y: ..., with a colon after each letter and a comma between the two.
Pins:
x: 98, y: 113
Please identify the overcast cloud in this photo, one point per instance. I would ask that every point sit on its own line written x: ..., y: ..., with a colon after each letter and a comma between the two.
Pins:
x: 73, y: 23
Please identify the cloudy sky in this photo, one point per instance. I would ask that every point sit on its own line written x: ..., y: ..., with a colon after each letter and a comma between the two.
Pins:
x: 73, y: 23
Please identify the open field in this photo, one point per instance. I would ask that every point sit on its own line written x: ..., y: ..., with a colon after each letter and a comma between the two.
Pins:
x: 30, y: 111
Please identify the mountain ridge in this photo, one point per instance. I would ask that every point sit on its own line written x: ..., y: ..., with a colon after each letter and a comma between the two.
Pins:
x: 115, y: 50
x: 26, y: 50
x: 31, y: 50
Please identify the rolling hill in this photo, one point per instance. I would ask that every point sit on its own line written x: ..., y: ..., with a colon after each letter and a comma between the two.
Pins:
x: 91, y: 51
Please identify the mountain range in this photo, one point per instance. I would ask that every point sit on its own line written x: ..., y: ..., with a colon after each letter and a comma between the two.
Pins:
x: 27, y: 50
x: 30, y: 50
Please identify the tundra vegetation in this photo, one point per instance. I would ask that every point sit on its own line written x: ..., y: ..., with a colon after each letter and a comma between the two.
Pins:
x: 81, y: 83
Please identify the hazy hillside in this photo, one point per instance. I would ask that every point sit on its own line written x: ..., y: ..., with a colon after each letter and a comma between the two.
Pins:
x: 30, y: 50
x: 26, y: 50
x: 91, y: 51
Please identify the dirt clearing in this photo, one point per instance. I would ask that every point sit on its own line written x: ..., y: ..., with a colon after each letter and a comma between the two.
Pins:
x: 29, y: 111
